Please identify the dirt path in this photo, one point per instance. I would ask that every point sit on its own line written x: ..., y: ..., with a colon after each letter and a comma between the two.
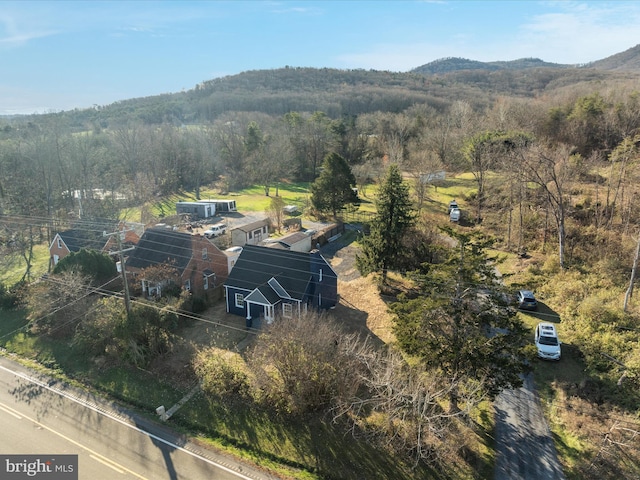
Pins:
x: 524, y: 447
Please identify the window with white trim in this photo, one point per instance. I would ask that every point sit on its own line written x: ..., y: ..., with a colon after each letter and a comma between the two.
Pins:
x: 239, y: 300
x: 205, y: 282
x: 59, y: 243
x: 204, y: 253
x: 287, y: 310
x: 187, y: 285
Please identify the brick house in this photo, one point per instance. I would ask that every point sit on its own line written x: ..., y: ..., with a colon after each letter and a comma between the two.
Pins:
x: 130, y: 234
x: 200, y: 264
x: 72, y: 241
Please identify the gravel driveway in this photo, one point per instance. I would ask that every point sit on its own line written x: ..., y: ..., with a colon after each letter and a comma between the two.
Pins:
x: 524, y: 447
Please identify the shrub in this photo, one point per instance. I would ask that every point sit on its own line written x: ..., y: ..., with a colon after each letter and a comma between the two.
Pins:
x: 220, y: 376
x: 8, y: 298
x: 100, y: 267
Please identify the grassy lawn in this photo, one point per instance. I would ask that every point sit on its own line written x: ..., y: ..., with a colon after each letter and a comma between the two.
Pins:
x: 251, y: 199
x: 15, y: 267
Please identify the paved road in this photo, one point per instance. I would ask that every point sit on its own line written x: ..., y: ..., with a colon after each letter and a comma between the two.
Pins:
x: 524, y: 447
x: 38, y: 416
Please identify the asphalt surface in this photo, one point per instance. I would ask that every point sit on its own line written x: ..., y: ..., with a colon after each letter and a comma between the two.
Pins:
x: 524, y: 446
x: 40, y: 416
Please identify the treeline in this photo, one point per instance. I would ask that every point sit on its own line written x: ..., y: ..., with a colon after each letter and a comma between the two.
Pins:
x: 244, y: 141
x: 335, y: 92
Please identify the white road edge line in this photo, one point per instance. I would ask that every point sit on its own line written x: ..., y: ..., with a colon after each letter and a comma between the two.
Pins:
x: 133, y: 427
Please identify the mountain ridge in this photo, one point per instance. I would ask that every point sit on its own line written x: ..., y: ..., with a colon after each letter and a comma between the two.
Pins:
x: 627, y: 61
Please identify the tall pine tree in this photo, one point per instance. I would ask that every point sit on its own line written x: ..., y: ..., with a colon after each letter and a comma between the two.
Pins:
x: 382, y: 248
x: 333, y: 189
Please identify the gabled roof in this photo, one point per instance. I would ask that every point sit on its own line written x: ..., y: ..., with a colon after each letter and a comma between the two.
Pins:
x: 293, y: 238
x: 256, y: 266
x: 249, y: 227
x: 78, y: 239
x: 161, y: 246
x: 287, y: 241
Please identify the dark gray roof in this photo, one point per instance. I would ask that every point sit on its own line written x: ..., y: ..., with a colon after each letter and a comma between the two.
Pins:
x: 78, y: 239
x: 257, y: 265
x: 161, y: 246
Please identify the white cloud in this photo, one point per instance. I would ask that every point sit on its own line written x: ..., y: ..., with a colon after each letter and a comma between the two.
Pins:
x: 15, y: 32
x: 582, y: 32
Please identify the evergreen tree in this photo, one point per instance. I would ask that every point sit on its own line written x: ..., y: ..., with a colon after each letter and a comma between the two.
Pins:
x: 462, y: 325
x: 98, y: 266
x: 382, y: 248
x: 333, y: 189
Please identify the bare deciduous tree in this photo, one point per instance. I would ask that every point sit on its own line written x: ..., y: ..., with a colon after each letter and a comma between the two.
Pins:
x: 303, y: 363
x: 552, y: 169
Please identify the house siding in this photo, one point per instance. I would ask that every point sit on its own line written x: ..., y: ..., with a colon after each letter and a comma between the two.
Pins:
x: 251, y: 234
x: 231, y: 300
x: 198, y: 209
x: 185, y: 251
x: 324, y: 291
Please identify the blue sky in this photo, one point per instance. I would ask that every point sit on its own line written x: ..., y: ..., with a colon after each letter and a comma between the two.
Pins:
x: 57, y: 55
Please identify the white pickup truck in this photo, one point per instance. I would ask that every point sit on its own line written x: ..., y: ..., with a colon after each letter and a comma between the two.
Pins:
x: 215, y: 230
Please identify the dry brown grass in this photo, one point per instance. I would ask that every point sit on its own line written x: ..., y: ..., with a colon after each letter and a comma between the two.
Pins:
x: 362, y: 308
x: 595, y: 441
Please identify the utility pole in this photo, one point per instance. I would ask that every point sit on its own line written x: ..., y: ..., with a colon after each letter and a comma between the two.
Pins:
x: 118, y: 236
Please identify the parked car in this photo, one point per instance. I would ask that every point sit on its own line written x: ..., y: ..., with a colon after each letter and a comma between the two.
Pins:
x: 453, y: 205
x: 215, y: 231
x: 454, y: 215
x: 527, y: 300
x: 547, y: 343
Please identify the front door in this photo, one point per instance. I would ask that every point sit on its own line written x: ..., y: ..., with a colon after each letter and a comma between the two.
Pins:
x: 268, y: 313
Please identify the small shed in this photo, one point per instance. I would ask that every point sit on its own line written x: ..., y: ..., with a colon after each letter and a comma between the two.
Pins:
x: 296, y: 242
x: 250, y: 234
